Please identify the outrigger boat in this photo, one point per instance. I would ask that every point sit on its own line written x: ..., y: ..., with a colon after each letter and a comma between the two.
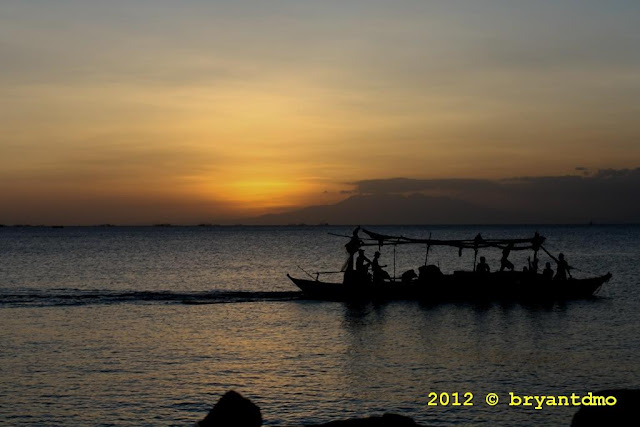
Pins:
x: 431, y: 285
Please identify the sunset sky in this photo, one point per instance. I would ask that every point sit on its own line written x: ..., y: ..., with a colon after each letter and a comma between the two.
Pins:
x: 137, y: 112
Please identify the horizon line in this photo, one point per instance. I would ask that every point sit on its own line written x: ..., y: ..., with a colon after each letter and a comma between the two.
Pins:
x: 207, y: 225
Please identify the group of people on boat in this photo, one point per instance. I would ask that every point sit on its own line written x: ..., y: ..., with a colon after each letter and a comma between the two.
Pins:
x: 562, y: 271
x: 360, y: 272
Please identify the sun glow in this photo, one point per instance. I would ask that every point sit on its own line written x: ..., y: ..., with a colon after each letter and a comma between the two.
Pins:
x: 260, y: 195
x: 257, y: 195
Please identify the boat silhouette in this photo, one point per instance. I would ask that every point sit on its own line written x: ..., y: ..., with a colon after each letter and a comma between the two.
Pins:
x: 431, y: 285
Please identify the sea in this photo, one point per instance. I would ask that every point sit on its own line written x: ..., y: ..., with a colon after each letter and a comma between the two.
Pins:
x: 150, y: 326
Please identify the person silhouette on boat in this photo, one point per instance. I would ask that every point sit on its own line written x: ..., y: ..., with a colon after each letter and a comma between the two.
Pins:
x: 362, y: 265
x: 379, y: 275
x: 563, y: 268
x: 483, y: 267
x: 352, y: 248
x: 504, y: 261
x: 547, y: 273
x: 533, y: 265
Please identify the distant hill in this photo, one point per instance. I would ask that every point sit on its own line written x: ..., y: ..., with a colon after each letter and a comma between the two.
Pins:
x: 608, y: 196
x: 389, y: 209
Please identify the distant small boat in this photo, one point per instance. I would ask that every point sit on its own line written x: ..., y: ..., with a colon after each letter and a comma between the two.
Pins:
x: 433, y: 286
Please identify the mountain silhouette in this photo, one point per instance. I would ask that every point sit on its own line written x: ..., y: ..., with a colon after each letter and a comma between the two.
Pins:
x: 389, y: 209
x: 606, y: 196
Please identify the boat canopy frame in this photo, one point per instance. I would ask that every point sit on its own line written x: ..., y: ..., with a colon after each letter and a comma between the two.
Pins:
x: 478, y: 242
x: 377, y: 239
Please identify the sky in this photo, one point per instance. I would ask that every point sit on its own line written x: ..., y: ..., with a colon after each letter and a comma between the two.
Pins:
x: 138, y: 112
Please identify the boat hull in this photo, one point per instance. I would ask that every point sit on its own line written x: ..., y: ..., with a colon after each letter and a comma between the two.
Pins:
x: 460, y: 286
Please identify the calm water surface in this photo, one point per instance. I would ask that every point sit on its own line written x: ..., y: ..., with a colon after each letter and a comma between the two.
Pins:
x: 150, y: 326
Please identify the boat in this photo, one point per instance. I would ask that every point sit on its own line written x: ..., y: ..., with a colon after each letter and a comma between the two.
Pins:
x: 431, y: 285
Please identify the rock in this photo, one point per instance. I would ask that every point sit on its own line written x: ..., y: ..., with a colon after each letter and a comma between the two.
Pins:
x: 233, y: 410
x: 623, y: 413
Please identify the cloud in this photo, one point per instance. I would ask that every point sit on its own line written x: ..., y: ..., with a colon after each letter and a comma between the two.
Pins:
x: 621, y: 177
x: 406, y: 185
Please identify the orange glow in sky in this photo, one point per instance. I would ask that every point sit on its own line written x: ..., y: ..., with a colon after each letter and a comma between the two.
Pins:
x: 213, y: 111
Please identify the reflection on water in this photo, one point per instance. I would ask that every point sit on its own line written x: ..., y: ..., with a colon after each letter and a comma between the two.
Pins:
x: 121, y: 361
x: 400, y: 352
x: 305, y: 361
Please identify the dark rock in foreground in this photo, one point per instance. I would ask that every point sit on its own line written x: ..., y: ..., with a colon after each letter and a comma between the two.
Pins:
x: 233, y: 410
x: 623, y: 413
